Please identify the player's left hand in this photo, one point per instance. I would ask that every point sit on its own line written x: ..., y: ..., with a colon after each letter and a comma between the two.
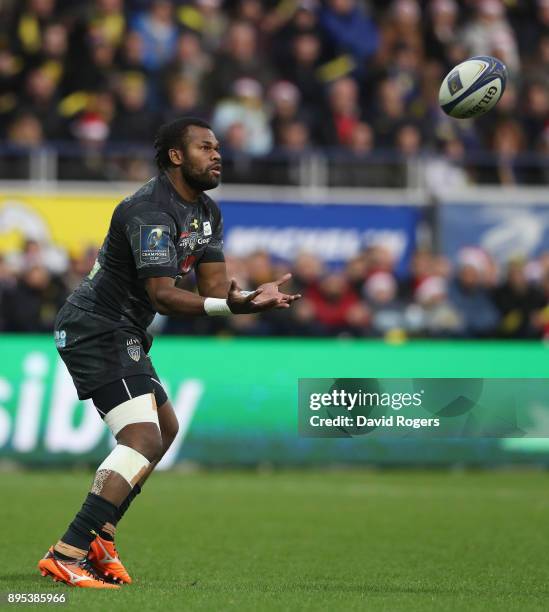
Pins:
x: 271, y: 290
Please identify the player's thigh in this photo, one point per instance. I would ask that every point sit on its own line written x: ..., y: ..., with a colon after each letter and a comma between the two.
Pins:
x: 129, y: 409
x: 167, y: 418
x: 169, y: 426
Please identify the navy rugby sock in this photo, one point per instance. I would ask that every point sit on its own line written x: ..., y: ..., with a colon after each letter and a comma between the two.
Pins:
x: 121, y: 510
x: 89, y: 521
x: 107, y: 531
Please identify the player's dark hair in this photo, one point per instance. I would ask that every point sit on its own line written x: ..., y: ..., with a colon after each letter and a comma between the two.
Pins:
x: 171, y: 136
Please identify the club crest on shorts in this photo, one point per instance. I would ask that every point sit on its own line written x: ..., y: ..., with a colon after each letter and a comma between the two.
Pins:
x: 134, y: 349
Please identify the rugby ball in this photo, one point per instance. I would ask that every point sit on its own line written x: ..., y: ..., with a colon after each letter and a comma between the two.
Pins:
x: 473, y: 87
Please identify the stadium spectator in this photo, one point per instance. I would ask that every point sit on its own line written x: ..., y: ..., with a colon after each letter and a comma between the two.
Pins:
x: 30, y: 24
x: 401, y: 26
x: 249, y: 10
x: 240, y: 58
x: 431, y: 314
x: 470, y: 297
x: 91, y: 131
x: 356, y: 271
x: 190, y: 61
x: 441, y: 32
x: 422, y: 266
x: 237, y: 162
x: 362, y: 140
x: 41, y: 99
x: 79, y: 266
x: 96, y: 71
x: 24, y: 134
x: 348, y: 29
x: 25, y: 131
x: 308, y: 270
x: 355, y: 165
x: 446, y: 172
x: 183, y: 99
x: 294, y: 139
x: 387, y: 311
x: 107, y: 21
x: 53, y: 51
x: 134, y: 120
x: 491, y: 34
x: 302, y: 68
x: 285, y: 100
x: 408, y: 140
x: 389, y: 112
x: 159, y: 33
x: 33, y: 302
x: 343, y: 113
x: 535, y: 117
x: 130, y: 54
x: 246, y: 107
x: 333, y: 302
x: 518, y: 302
x: 508, y: 142
x: 207, y: 19
x: 11, y: 78
x: 7, y: 280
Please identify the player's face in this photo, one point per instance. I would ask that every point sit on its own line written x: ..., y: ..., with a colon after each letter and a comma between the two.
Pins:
x: 201, y: 167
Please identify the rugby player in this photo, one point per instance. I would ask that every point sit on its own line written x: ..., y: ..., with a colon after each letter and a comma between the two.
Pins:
x: 161, y: 232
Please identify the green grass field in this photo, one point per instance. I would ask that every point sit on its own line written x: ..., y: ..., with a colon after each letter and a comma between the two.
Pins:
x: 339, y: 540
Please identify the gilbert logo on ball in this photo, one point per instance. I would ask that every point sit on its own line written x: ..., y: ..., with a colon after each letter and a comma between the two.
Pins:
x: 473, y: 87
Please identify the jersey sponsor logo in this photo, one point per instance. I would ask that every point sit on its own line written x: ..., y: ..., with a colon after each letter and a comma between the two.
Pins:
x: 207, y: 228
x: 134, y: 349
x: 189, y: 240
x: 154, y: 244
x: 60, y: 338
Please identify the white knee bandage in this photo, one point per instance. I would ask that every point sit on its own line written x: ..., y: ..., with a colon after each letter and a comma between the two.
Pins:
x: 127, y: 462
x: 141, y: 409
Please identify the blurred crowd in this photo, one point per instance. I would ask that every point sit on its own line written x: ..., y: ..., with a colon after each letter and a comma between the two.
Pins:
x: 472, y: 297
x: 276, y: 78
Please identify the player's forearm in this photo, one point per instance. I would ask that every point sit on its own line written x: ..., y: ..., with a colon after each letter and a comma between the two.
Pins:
x: 174, y: 302
x: 219, y: 290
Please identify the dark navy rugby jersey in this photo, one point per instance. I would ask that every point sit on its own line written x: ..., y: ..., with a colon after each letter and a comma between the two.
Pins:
x: 153, y: 233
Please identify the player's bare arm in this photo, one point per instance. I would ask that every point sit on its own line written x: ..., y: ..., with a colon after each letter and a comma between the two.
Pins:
x: 212, y: 281
x: 167, y: 299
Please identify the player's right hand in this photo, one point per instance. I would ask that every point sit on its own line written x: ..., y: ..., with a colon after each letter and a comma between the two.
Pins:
x: 245, y: 303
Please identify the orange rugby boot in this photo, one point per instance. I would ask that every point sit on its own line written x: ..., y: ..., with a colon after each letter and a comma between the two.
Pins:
x: 105, y: 561
x: 76, y: 573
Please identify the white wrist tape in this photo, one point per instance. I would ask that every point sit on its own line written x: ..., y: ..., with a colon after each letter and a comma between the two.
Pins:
x: 127, y: 462
x: 216, y: 307
x: 140, y: 409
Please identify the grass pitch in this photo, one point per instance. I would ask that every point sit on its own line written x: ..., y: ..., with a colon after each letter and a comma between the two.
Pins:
x: 345, y: 540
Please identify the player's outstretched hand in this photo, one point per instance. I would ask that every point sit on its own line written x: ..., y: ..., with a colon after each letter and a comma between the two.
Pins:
x: 271, y: 290
x: 265, y: 297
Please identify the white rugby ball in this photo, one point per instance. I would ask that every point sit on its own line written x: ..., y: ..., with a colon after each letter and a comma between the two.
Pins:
x: 473, y: 87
